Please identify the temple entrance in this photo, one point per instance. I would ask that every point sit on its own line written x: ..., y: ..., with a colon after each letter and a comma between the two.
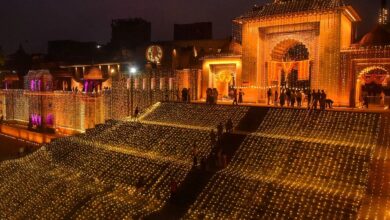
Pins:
x: 224, y: 80
x: 290, y: 67
x: 225, y: 83
x: 373, y: 83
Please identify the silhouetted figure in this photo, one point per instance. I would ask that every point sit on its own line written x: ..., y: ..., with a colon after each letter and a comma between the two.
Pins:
x: 323, y: 100
x: 269, y: 96
x: 316, y: 97
x: 292, y: 99
x: 220, y: 130
x: 184, y: 95
x: 235, y: 100
x: 288, y: 97
x: 299, y: 98
x: 329, y: 103
x: 30, y: 123
x: 166, y: 95
x: 240, y: 96
x: 309, y: 97
x: 276, y: 96
x: 282, y: 99
x: 208, y: 96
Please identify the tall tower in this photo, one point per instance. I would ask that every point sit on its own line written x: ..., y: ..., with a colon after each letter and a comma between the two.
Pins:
x: 384, y: 13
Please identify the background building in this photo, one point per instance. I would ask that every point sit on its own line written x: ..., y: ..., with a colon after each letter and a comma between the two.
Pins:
x: 130, y: 33
x: 194, y: 31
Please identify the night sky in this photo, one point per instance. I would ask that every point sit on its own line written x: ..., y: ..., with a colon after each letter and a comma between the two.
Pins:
x: 34, y: 22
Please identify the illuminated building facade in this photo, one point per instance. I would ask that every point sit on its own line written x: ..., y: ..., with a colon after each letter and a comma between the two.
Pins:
x: 287, y: 44
x: 300, y: 45
x: 294, y: 44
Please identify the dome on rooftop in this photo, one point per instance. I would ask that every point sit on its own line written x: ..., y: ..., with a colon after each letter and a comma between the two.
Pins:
x: 379, y: 36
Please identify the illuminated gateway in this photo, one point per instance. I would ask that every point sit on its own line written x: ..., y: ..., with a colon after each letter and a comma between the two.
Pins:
x: 302, y: 45
x: 285, y: 44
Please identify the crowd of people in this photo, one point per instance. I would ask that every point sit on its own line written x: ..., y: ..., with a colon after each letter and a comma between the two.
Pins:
x: 295, y: 98
x: 365, y: 100
x: 238, y: 97
x: 211, y: 96
x: 219, y: 158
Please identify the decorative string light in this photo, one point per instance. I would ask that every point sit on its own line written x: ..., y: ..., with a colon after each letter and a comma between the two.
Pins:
x: 299, y: 164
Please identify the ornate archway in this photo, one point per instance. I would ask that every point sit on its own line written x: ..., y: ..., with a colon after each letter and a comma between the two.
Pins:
x: 290, y: 65
x: 372, y: 81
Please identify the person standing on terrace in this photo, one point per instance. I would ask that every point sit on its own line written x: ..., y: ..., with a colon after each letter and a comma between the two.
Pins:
x: 323, y: 100
x: 292, y: 99
x: 288, y: 97
x: 235, y: 101
x: 269, y: 96
x: 282, y: 99
x: 240, y: 96
x: 315, y: 99
x: 299, y: 99
x: 276, y: 96
x: 309, y: 96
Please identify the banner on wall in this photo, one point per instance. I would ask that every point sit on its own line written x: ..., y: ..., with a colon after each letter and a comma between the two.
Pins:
x: 303, y: 68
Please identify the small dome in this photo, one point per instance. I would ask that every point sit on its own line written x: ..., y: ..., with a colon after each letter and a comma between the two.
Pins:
x: 379, y: 36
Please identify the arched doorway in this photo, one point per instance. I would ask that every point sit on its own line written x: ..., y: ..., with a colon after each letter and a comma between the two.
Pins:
x: 223, y: 78
x: 290, y: 66
x: 373, y: 82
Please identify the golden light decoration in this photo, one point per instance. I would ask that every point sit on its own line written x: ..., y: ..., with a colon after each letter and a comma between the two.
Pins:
x: 96, y: 174
x: 224, y: 77
x: 299, y: 164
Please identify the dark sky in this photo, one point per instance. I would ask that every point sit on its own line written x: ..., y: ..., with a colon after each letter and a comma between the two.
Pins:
x: 34, y: 22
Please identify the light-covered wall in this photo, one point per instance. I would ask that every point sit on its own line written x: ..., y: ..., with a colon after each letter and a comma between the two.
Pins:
x: 353, y: 62
x: 324, y: 34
